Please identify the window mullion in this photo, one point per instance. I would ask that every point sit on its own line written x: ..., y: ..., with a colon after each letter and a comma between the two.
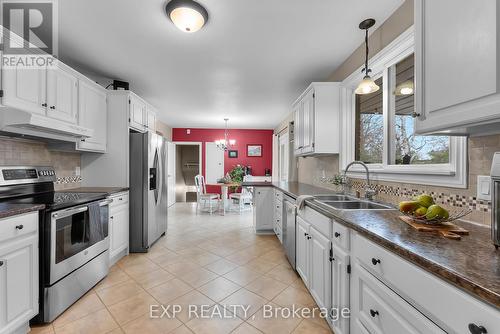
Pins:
x: 387, y: 119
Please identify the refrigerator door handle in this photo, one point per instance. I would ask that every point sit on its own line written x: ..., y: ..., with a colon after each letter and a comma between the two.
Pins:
x: 160, y: 177
x: 155, y: 167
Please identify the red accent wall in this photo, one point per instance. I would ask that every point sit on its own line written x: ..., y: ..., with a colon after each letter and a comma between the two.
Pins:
x: 243, y: 137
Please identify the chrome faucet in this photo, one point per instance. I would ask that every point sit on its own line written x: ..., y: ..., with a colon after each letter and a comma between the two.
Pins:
x: 369, y: 193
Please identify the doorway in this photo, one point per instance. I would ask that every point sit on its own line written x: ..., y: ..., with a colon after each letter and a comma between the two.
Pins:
x: 188, y: 165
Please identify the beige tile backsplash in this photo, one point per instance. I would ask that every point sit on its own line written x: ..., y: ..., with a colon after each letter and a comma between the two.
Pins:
x: 481, y: 150
x: 15, y: 151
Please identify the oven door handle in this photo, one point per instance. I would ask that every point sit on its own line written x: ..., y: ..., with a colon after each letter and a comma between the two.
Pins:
x: 106, y: 202
x: 68, y: 212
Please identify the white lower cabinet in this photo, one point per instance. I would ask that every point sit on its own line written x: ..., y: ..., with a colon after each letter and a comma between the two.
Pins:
x: 381, y: 311
x: 340, y: 290
x: 18, y: 272
x: 263, y: 213
x: 118, y: 227
x: 302, y: 249
x: 319, y: 278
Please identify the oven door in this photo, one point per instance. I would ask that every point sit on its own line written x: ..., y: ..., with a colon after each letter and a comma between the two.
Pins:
x: 71, y: 242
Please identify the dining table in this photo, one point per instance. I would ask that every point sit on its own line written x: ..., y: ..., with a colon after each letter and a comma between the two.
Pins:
x: 224, y: 192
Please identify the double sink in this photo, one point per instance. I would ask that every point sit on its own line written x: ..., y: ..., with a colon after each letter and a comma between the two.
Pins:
x: 345, y: 202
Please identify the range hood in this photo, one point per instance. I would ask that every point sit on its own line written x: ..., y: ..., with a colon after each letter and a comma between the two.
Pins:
x: 25, y: 123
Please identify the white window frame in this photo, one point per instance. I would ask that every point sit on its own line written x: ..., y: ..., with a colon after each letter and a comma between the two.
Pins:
x: 452, y: 175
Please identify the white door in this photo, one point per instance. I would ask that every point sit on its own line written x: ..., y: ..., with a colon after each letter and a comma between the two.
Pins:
x: 284, y: 159
x: 136, y: 113
x: 171, y: 153
x: 302, y: 250
x: 319, y: 277
x: 92, y: 114
x: 62, y: 94
x: 214, y: 163
x: 299, y: 128
x: 150, y: 121
x: 340, y: 289
x: 25, y: 89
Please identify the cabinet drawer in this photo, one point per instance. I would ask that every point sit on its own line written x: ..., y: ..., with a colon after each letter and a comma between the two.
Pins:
x: 119, y: 199
x: 321, y: 223
x: 382, y: 311
x: 341, y: 235
x: 15, y: 226
x: 449, y: 307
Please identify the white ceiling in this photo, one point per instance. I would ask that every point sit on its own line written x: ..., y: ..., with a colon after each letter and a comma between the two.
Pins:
x: 249, y: 63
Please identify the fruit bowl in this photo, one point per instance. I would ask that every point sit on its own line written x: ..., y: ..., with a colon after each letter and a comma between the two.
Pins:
x: 454, y: 215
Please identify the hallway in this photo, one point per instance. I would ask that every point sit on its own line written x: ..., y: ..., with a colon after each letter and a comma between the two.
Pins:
x: 211, y: 260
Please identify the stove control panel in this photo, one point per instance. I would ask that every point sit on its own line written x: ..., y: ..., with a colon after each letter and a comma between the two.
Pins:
x: 15, y: 175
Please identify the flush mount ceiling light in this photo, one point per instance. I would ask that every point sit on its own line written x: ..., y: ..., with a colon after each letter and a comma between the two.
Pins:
x: 405, y: 88
x: 367, y: 85
x: 187, y: 15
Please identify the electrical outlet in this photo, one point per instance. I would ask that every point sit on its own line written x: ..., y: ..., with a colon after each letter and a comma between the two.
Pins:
x: 77, y: 171
x: 484, y: 187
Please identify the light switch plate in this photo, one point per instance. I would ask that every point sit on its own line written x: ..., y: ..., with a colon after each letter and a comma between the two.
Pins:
x: 484, y: 187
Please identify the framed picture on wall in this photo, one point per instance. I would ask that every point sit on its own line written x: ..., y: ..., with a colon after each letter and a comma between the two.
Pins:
x: 254, y: 150
x: 232, y: 154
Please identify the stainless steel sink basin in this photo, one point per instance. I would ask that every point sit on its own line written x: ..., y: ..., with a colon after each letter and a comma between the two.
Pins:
x: 356, y: 205
x: 323, y: 198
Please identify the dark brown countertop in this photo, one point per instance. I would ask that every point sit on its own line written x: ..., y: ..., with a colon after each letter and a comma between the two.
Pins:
x: 107, y: 190
x: 12, y: 209
x: 471, y: 264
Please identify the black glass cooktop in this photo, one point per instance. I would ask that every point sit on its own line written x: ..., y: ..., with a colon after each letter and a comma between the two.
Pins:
x: 60, y: 200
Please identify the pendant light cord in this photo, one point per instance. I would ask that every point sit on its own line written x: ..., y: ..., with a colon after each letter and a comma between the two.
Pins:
x: 366, y: 56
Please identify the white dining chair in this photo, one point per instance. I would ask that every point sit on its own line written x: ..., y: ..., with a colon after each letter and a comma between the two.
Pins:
x: 202, y: 197
x: 245, y: 197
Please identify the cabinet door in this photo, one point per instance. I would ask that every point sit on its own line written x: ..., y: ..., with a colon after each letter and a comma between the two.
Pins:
x: 340, y: 290
x: 308, y: 119
x: 25, y: 89
x: 457, y: 62
x: 137, y: 112
x: 299, y: 128
x: 62, y: 93
x: 92, y: 114
x: 119, y: 222
x: 264, y: 208
x: 150, y: 121
x: 302, y: 250
x: 18, y: 283
x: 319, y: 277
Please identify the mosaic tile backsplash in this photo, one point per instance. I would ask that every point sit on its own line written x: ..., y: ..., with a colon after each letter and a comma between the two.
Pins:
x: 15, y: 151
x: 480, y: 149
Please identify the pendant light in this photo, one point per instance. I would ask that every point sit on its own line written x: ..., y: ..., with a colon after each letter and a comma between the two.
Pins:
x: 187, y: 15
x: 223, y: 144
x: 367, y: 85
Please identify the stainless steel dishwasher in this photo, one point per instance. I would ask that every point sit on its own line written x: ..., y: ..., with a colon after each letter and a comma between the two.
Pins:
x: 289, y: 211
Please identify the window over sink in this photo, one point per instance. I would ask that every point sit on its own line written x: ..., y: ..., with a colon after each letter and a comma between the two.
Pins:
x: 379, y: 127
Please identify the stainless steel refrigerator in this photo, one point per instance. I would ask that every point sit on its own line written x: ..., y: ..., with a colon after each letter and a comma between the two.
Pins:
x: 148, y: 190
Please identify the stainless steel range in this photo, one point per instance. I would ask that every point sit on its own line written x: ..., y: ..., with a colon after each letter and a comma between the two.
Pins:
x: 73, y: 231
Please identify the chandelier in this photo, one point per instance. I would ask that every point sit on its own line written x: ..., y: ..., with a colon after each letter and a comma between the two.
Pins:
x: 223, y: 144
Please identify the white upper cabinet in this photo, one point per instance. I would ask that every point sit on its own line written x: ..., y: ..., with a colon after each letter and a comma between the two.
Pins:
x: 317, y: 120
x: 62, y: 93
x: 25, y: 89
x: 457, y: 66
x: 137, y: 112
x: 150, y: 120
x: 92, y: 113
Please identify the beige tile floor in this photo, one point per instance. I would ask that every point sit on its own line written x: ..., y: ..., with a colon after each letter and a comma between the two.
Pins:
x: 210, y: 260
